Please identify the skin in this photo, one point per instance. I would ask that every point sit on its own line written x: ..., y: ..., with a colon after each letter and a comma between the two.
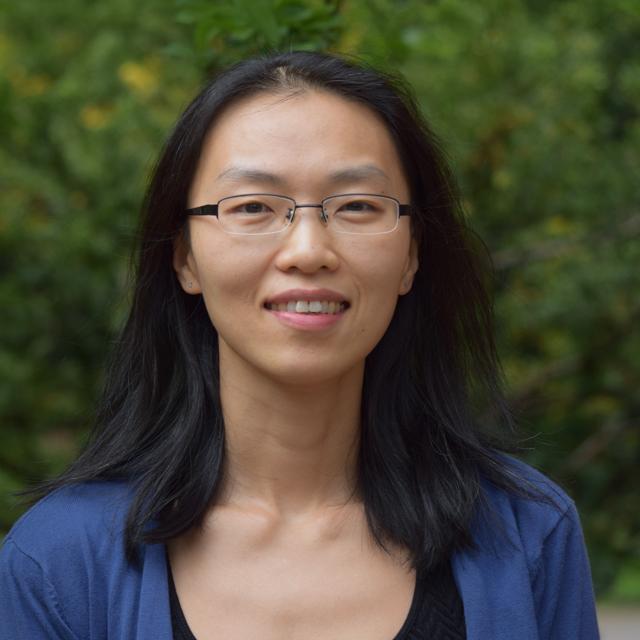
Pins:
x: 291, y: 398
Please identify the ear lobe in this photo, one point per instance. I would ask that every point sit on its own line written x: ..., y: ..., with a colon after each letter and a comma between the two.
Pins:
x: 184, y: 266
x: 406, y: 284
x: 410, y: 269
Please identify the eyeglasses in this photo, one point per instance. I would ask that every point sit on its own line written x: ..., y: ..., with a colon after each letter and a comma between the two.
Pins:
x: 254, y: 214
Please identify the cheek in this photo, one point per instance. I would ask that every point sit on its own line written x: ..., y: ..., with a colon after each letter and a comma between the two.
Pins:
x: 381, y: 267
x: 380, y: 272
x: 228, y: 279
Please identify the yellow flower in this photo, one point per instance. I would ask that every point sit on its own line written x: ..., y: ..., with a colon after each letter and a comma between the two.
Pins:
x: 139, y: 77
x: 26, y: 85
x: 95, y: 116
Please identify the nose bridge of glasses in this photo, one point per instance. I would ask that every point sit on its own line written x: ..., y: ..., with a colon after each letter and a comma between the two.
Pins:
x: 323, y: 213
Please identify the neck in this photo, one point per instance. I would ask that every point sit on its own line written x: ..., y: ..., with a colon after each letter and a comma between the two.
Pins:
x: 291, y: 449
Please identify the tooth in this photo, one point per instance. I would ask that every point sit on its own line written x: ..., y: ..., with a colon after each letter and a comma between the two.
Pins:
x: 302, y: 306
x: 315, y: 306
x: 291, y: 306
x: 282, y: 306
x: 332, y: 307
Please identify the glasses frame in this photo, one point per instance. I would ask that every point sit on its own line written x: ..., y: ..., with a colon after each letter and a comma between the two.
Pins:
x: 212, y: 210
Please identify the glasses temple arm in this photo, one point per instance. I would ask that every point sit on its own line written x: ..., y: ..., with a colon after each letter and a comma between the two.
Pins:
x: 205, y: 210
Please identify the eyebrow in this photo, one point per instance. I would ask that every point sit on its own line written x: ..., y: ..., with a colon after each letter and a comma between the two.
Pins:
x: 238, y: 174
x: 348, y: 174
x: 355, y: 174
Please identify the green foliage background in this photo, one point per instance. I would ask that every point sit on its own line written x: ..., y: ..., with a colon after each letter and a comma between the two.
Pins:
x: 538, y: 104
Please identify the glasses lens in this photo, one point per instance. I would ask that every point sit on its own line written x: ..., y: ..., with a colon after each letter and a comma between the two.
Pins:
x: 361, y: 213
x: 254, y: 214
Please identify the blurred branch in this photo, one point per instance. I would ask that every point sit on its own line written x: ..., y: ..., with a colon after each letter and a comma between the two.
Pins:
x: 20, y: 471
x: 596, y: 443
x: 573, y: 363
x: 552, y: 370
x: 511, y: 258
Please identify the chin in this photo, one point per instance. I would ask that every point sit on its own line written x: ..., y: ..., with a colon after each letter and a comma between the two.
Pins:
x: 291, y: 365
x: 307, y: 375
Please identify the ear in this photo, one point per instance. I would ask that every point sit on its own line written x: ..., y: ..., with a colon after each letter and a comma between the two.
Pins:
x: 184, y: 265
x: 410, y: 269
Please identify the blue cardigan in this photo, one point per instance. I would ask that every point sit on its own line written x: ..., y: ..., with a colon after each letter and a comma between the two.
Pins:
x: 63, y: 573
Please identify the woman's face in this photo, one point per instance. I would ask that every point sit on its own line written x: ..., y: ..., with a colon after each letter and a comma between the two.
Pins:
x: 307, y: 146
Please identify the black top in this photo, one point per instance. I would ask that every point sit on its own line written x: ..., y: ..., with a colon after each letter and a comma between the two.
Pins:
x: 436, y: 609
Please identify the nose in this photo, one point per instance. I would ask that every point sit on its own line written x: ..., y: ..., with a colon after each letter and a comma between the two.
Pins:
x: 307, y: 245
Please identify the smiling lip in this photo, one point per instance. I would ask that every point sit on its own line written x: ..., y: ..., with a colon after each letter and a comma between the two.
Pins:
x: 308, y: 321
x: 311, y: 295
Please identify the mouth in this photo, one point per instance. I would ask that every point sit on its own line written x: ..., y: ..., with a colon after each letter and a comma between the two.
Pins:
x: 308, y: 302
x: 309, y: 307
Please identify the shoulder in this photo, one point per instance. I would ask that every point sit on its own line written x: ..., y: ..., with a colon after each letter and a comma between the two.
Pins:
x: 72, y: 518
x: 529, y: 517
x: 527, y: 573
x: 64, y: 570
x: 61, y: 560
x: 538, y: 498
x: 75, y: 529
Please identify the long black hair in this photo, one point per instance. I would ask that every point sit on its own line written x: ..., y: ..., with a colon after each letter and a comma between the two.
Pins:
x: 423, y: 453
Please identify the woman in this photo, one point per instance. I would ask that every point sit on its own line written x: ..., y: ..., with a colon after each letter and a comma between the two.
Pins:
x: 287, y: 446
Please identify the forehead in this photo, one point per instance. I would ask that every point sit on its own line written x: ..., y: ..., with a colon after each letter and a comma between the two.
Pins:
x: 303, y: 140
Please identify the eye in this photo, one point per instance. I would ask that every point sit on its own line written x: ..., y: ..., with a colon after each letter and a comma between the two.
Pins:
x: 357, y: 205
x: 251, y: 207
x: 254, y: 213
